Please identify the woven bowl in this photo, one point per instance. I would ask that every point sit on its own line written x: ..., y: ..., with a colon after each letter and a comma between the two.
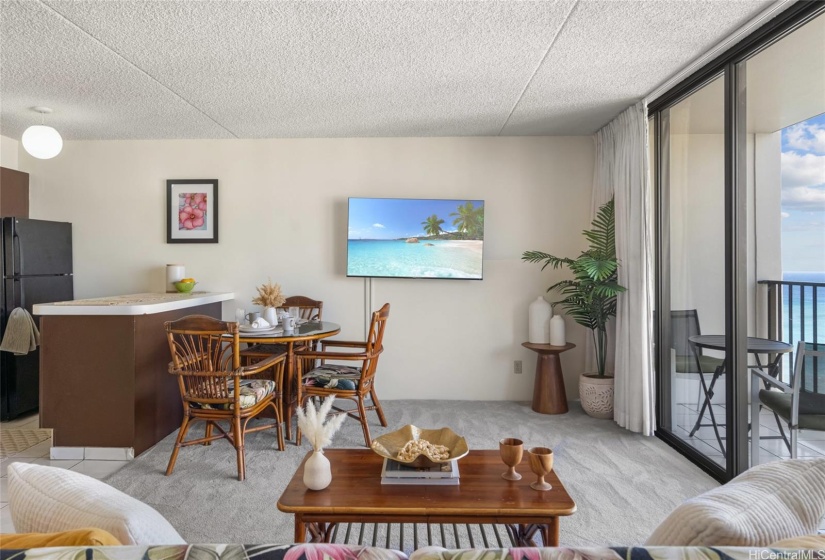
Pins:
x: 390, y: 445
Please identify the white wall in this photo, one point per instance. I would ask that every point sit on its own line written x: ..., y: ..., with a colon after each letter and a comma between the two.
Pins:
x: 283, y: 214
x: 8, y: 152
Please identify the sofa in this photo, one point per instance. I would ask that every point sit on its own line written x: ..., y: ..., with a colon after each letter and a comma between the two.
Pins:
x: 748, y: 517
x: 812, y: 548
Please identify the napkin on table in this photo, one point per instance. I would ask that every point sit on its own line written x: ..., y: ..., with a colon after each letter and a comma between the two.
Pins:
x: 260, y: 323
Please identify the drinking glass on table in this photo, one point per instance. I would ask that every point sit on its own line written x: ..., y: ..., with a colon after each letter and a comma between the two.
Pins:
x: 295, y: 313
x: 240, y: 315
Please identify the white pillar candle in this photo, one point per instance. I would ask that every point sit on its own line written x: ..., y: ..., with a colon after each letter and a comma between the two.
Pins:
x: 557, y: 336
x: 174, y: 273
x: 538, y: 321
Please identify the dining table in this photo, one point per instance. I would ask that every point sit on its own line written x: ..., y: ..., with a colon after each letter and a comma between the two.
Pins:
x: 303, y: 333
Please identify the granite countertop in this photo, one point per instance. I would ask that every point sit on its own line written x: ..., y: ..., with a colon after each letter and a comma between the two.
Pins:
x: 131, y: 304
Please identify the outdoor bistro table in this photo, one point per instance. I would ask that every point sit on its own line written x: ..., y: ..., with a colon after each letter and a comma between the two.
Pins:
x: 756, y: 346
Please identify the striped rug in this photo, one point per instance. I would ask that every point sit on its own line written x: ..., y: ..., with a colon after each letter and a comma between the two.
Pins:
x: 14, y: 440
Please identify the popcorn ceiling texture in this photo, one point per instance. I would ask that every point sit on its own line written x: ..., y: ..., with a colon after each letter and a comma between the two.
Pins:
x: 185, y: 69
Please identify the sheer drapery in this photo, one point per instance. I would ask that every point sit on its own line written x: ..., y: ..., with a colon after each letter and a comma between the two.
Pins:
x: 622, y: 172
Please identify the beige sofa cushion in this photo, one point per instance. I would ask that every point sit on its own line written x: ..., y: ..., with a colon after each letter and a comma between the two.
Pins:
x: 814, y: 542
x: 49, y: 499
x: 761, y: 506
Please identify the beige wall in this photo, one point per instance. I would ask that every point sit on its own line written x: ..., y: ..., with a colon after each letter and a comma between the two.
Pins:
x: 283, y: 214
x: 8, y: 152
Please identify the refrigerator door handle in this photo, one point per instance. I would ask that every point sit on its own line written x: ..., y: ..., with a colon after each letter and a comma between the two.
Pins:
x: 17, y: 255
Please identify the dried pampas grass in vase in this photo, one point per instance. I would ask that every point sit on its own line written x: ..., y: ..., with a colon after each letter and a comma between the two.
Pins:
x: 269, y: 297
x: 317, y: 472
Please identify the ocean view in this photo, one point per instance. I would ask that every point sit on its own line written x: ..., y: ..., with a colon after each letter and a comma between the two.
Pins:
x: 803, y: 298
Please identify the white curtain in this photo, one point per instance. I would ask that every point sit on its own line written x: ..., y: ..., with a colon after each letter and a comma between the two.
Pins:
x: 622, y: 172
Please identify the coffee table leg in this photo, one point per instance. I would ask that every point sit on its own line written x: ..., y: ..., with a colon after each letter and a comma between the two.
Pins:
x: 300, y: 529
x: 550, y: 532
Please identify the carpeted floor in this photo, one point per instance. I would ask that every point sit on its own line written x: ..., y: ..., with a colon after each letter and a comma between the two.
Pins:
x: 623, y: 484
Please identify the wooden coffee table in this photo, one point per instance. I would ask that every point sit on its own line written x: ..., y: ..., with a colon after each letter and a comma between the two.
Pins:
x: 356, y: 495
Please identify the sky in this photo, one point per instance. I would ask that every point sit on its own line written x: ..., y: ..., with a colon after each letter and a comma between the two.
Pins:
x: 803, y: 196
x: 392, y: 218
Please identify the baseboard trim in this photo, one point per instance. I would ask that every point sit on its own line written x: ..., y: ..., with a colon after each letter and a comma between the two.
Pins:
x: 92, y: 453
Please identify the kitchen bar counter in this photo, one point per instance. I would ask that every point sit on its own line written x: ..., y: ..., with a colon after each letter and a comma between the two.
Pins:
x: 104, y: 371
x: 133, y: 304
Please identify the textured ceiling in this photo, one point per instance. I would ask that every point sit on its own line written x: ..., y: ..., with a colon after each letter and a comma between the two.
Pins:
x: 252, y: 69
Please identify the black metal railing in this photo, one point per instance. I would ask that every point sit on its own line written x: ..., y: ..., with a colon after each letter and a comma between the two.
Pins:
x: 794, y: 315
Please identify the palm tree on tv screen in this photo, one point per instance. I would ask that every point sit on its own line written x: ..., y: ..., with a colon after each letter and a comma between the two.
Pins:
x: 469, y: 219
x: 432, y: 225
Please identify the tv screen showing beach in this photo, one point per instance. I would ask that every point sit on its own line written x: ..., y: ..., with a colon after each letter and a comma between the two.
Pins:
x: 415, y: 238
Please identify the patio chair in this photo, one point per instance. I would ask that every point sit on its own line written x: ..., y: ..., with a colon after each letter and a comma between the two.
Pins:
x: 215, y: 388
x: 348, y: 382
x: 684, y: 323
x: 801, y: 404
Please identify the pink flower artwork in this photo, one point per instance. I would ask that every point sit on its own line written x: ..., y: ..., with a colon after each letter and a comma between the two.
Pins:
x: 192, y: 211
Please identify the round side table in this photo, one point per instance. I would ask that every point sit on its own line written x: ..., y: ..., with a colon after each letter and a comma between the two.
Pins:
x: 549, y: 396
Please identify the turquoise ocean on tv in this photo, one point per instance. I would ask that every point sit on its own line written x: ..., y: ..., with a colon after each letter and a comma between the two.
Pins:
x: 430, y: 258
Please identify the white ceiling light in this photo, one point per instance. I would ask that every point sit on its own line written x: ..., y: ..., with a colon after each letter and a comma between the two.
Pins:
x: 41, y: 141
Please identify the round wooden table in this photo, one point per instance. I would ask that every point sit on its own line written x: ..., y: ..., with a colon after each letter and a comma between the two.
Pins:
x: 549, y: 396
x: 313, y: 330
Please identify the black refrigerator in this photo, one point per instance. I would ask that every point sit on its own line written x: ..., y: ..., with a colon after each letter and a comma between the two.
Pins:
x: 37, y: 268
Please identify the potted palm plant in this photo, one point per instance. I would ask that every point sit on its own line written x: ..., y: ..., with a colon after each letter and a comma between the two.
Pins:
x: 590, y: 299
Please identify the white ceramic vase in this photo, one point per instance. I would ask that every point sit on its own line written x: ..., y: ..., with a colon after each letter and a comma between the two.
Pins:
x: 538, y: 321
x: 270, y: 316
x: 317, y: 472
x: 557, y: 335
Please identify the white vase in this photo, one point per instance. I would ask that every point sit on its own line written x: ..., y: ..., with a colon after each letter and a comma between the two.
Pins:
x: 317, y: 473
x: 557, y: 334
x: 270, y: 316
x: 538, y: 321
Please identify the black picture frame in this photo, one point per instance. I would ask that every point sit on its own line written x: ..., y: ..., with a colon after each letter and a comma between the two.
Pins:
x: 200, y: 197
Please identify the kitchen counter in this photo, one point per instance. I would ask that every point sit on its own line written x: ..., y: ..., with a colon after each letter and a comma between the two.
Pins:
x: 104, y: 371
x: 132, y: 304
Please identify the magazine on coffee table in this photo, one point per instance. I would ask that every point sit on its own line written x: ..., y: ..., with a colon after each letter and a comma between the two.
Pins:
x: 394, y: 472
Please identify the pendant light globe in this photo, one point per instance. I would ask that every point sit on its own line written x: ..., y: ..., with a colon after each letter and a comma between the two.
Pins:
x: 41, y: 141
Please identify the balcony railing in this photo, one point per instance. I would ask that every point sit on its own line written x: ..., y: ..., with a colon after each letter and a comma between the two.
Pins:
x: 796, y: 311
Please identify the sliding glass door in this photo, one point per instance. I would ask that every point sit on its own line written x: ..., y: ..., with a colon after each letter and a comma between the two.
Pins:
x: 740, y: 213
x: 692, y: 213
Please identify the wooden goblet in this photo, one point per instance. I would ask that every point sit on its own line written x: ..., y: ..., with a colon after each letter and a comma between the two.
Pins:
x: 541, y: 463
x: 511, y: 450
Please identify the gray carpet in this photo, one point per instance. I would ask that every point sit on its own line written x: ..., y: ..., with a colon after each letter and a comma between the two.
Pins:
x: 623, y: 484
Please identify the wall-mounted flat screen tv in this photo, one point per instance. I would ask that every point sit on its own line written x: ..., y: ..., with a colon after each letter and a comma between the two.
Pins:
x: 415, y: 238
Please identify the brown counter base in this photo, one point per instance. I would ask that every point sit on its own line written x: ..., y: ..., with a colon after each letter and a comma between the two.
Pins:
x: 104, y: 379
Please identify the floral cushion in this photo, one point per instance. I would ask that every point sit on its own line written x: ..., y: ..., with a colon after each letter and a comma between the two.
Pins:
x: 252, y: 392
x: 331, y: 376
x: 209, y: 552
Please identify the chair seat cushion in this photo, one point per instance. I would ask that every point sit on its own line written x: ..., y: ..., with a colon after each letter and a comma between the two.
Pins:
x: 253, y: 391
x: 331, y: 376
x: 811, y: 407
x: 687, y: 364
x: 263, y: 350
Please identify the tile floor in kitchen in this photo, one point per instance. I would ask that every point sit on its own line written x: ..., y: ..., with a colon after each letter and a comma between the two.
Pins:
x: 39, y: 454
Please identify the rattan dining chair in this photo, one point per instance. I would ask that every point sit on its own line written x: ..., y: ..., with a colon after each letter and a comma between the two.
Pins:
x: 356, y: 382
x: 215, y: 388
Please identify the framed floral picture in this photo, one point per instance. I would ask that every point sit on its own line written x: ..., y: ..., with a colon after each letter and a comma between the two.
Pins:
x: 192, y: 211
